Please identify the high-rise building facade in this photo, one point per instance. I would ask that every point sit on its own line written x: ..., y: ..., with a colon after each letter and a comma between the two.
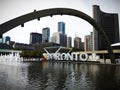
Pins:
x: 91, y: 41
x: 61, y: 27
x: 87, y: 46
x: 77, y: 42
x: 45, y: 34
x: 82, y: 46
x: 69, y: 42
x: 59, y: 39
x: 110, y: 25
x: 6, y: 39
x: 35, y: 38
x: 64, y: 40
x: 56, y: 38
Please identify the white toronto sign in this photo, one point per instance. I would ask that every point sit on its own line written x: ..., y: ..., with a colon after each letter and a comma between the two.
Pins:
x: 66, y: 56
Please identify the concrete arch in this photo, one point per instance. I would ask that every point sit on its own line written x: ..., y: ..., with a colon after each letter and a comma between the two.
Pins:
x: 56, y: 11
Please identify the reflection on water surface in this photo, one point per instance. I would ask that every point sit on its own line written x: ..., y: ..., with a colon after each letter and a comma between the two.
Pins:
x: 59, y: 76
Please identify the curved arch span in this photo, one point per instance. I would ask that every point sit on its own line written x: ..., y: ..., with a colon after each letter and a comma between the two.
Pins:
x: 56, y: 11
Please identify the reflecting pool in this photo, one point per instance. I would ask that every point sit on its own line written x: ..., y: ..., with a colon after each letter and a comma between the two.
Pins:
x: 59, y: 76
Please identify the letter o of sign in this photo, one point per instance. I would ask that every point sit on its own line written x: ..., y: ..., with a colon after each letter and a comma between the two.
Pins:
x: 63, y: 56
x: 83, y: 56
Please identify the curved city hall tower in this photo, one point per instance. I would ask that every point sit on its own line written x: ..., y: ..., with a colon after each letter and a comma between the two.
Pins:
x: 110, y: 24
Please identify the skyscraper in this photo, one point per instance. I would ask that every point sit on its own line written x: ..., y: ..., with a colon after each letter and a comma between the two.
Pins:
x: 61, y: 27
x: 109, y: 23
x: 88, y: 45
x: 45, y: 34
x: 59, y: 38
x: 88, y: 42
x: 69, y: 42
x: 35, y: 38
x: 56, y: 38
x: 82, y: 46
x: 6, y: 39
x: 77, y: 42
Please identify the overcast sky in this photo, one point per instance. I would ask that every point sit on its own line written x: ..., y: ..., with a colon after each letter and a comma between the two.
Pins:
x: 10, y: 9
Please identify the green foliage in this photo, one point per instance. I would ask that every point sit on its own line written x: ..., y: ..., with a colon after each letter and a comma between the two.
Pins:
x: 31, y: 53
